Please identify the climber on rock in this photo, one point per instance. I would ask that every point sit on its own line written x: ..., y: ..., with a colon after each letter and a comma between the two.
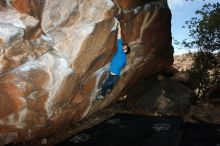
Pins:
x: 117, y: 63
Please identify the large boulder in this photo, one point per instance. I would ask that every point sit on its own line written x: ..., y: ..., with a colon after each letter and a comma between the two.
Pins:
x: 159, y: 95
x: 54, y: 56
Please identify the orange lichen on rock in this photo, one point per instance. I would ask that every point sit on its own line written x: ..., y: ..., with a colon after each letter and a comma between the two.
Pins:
x: 22, y: 6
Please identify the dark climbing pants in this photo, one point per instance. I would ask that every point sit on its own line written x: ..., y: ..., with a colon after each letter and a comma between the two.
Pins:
x: 109, y: 83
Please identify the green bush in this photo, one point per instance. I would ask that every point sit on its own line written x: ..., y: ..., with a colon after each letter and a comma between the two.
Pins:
x: 204, y: 74
x: 205, y: 33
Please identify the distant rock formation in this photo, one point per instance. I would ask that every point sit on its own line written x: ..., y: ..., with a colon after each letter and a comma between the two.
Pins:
x: 183, y: 62
x: 54, y: 56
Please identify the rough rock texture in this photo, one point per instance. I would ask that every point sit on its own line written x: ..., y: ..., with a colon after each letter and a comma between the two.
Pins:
x: 54, y: 56
x: 159, y: 95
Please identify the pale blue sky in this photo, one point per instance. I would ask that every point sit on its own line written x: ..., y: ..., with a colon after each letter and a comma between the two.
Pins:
x: 182, y: 11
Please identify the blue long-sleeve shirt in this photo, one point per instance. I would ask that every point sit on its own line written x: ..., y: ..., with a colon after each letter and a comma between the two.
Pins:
x: 118, y: 60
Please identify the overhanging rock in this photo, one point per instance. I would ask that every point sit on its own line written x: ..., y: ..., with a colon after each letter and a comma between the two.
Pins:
x: 54, y: 56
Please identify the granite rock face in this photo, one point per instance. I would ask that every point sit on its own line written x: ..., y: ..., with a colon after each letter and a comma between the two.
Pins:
x: 54, y: 56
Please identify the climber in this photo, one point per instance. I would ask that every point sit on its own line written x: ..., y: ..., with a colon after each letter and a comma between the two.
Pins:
x: 117, y: 63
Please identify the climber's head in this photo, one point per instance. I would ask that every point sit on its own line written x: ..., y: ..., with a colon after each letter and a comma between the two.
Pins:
x: 126, y: 48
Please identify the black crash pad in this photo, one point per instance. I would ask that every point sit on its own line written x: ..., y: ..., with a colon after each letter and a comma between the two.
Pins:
x: 131, y: 130
x: 203, y: 134
x: 139, y: 130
